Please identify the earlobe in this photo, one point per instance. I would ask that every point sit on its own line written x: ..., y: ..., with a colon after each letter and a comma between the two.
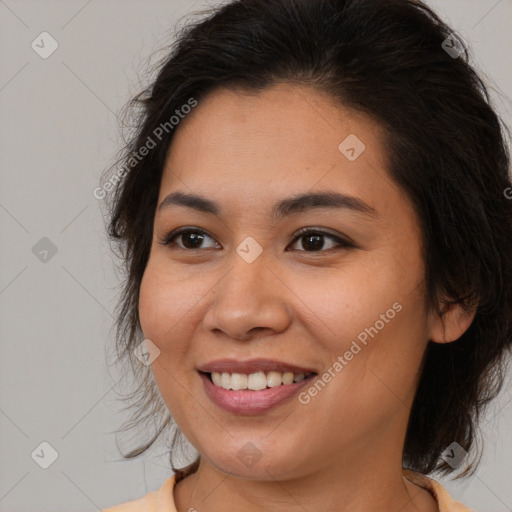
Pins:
x: 451, y: 324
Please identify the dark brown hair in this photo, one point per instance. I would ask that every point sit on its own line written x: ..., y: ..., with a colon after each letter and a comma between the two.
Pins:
x: 446, y: 148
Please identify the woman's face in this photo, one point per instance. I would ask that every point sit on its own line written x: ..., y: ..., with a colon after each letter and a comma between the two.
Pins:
x: 346, y: 302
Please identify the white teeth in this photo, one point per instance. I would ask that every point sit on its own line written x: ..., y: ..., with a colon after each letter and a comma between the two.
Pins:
x: 217, y: 378
x: 255, y: 381
x: 238, y: 381
x: 225, y: 381
x: 274, y: 379
x: 287, y: 378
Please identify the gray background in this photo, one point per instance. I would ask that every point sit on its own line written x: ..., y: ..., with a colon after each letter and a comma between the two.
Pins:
x: 58, y: 132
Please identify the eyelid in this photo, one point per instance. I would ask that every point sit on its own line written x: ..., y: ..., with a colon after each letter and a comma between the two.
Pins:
x: 343, y: 241
x: 166, y: 240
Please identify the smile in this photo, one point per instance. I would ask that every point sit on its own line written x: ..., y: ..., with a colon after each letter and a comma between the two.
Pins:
x: 256, y: 381
x: 254, y: 393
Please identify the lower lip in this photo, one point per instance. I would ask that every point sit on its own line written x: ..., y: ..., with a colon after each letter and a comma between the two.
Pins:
x: 251, y: 402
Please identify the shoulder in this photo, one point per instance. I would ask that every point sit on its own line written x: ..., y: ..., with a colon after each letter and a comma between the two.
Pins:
x: 445, y: 501
x: 155, y: 501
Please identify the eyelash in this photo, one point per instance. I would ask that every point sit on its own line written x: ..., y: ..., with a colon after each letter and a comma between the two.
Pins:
x: 343, y: 244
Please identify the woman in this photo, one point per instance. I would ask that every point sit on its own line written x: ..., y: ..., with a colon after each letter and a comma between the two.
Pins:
x: 316, y: 231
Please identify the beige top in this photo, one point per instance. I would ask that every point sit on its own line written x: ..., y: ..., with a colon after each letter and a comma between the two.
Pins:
x: 162, y: 500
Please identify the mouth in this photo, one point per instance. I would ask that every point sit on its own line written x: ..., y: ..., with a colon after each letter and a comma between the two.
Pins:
x: 256, y: 381
x: 255, y: 393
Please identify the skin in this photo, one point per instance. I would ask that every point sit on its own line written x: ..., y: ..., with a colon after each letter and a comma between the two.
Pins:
x: 343, y: 450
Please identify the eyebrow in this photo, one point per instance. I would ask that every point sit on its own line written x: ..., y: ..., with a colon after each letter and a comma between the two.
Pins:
x: 285, y: 207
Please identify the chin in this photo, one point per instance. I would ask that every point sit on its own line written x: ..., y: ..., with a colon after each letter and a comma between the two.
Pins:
x: 250, y: 463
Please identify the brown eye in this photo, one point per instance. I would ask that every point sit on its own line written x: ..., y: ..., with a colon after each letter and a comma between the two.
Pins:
x: 313, y: 240
x: 190, y: 238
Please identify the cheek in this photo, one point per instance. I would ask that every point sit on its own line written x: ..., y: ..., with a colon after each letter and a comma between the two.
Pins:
x: 163, y: 307
x: 341, y: 303
x: 381, y: 346
x: 145, y: 306
x: 165, y: 302
x: 372, y: 315
x: 150, y: 305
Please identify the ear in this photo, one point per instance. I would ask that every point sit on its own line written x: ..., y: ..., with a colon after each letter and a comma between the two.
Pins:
x: 451, y: 324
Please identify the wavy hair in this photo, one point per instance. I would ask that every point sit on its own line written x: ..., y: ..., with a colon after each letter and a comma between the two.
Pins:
x: 447, y: 149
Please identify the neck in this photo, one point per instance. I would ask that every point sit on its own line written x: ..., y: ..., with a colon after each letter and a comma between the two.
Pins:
x: 369, y: 489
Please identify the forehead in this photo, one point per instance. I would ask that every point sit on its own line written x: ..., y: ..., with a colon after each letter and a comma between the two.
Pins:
x: 286, y: 132
x: 248, y: 150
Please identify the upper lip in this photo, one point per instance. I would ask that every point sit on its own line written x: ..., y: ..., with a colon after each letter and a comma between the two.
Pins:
x: 251, y: 366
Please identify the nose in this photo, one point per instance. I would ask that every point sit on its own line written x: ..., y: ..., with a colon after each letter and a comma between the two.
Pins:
x: 250, y: 301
